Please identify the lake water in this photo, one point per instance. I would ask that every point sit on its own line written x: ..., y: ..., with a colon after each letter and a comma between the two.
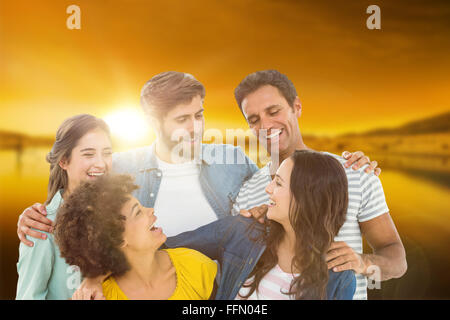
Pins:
x: 419, y: 205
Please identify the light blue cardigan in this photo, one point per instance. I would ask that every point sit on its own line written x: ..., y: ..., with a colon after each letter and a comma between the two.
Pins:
x: 43, y: 274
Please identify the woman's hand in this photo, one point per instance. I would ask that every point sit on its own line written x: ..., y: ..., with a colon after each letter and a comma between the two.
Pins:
x: 90, y: 289
x: 84, y: 294
x: 257, y: 213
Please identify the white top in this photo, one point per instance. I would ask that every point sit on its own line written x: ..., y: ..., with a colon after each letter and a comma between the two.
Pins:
x: 180, y: 204
x: 271, y: 286
x: 366, y: 201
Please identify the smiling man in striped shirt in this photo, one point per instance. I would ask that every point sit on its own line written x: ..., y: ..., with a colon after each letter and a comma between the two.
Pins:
x: 269, y: 102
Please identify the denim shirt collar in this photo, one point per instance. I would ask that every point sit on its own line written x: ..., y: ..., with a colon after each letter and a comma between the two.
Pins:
x: 150, y: 162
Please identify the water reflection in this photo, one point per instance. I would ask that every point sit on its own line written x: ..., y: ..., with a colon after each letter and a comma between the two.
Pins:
x: 419, y: 204
x: 420, y: 207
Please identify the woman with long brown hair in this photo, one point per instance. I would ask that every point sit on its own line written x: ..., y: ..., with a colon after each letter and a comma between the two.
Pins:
x: 308, y: 204
x: 286, y: 257
x: 82, y: 152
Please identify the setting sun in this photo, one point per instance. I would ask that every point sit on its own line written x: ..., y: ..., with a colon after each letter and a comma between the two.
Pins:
x: 127, y: 124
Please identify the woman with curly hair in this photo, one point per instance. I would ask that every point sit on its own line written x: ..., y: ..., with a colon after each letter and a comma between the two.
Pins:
x: 103, y: 230
x: 82, y: 152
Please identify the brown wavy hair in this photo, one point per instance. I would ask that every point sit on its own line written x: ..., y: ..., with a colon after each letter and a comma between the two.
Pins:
x: 168, y: 89
x: 89, y: 226
x: 67, y: 137
x: 317, y: 210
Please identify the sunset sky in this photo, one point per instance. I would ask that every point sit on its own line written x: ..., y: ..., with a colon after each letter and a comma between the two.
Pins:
x: 348, y: 78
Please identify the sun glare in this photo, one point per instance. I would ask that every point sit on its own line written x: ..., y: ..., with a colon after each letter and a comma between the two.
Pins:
x: 127, y: 124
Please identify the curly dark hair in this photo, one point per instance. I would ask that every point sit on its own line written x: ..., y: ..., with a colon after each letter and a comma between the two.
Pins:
x: 89, y: 226
x: 318, y: 207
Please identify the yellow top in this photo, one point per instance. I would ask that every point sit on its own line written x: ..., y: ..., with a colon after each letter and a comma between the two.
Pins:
x: 195, y: 277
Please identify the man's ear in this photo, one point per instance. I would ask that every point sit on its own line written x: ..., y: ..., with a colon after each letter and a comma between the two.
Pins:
x: 297, y: 107
x: 63, y: 163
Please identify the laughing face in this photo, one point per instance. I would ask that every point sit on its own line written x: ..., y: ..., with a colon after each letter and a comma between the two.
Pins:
x: 90, y: 158
x: 141, y: 232
x: 280, y: 194
x: 266, y: 109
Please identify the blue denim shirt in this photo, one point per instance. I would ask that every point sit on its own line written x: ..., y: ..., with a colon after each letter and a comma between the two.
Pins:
x: 223, y: 170
x: 231, y: 242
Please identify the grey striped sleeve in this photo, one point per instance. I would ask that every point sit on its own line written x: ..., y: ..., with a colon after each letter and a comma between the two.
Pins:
x: 373, y: 201
x: 252, y: 193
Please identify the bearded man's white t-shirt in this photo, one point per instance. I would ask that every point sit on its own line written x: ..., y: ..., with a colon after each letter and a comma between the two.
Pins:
x: 180, y: 203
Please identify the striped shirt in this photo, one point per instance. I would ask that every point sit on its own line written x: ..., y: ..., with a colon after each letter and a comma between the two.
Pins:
x: 272, y: 286
x: 366, y: 201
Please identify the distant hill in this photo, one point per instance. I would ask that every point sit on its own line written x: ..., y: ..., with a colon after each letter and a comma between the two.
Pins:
x: 15, y: 140
x: 9, y: 135
x: 435, y: 124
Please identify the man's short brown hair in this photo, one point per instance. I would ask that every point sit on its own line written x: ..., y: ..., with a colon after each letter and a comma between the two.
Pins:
x: 258, y: 79
x: 168, y: 89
